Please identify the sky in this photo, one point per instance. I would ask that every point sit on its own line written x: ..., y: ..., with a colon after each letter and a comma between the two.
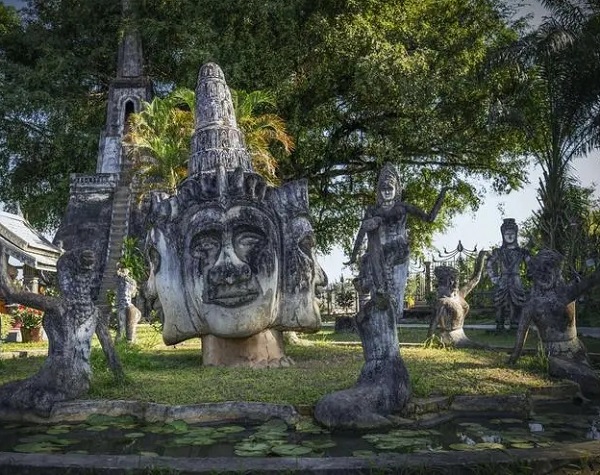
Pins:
x: 481, y: 228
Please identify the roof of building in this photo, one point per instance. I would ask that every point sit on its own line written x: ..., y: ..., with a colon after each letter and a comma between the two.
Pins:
x: 26, y: 244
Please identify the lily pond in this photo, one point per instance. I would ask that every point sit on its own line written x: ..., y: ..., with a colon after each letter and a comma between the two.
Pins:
x: 124, y: 435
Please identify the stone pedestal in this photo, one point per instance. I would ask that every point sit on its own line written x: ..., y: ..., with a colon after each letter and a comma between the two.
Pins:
x: 263, y: 350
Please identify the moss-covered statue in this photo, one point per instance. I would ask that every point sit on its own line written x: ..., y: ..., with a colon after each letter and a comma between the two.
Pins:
x: 504, y: 268
x: 551, y: 307
x: 383, y: 385
x: 451, y: 308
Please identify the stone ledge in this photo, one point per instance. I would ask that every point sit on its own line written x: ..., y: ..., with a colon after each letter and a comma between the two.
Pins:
x: 540, y: 460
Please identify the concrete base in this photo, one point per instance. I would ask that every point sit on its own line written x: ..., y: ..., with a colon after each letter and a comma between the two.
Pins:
x: 263, y: 350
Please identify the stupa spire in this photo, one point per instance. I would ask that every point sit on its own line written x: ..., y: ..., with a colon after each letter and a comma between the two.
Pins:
x: 131, y: 58
x: 217, y: 140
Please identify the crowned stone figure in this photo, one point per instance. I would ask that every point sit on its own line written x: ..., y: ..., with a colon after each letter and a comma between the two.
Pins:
x: 232, y: 259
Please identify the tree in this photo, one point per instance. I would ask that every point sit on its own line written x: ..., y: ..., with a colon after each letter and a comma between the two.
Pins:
x: 160, y: 135
x: 559, y: 60
x: 357, y: 83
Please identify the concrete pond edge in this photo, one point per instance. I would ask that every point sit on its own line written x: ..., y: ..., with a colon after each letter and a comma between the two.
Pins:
x: 426, y: 412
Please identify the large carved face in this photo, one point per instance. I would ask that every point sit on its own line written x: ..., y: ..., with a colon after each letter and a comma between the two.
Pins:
x: 303, y: 278
x: 447, y: 281
x: 544, y: 269
x: 165, y: 281
x: 231, y: 268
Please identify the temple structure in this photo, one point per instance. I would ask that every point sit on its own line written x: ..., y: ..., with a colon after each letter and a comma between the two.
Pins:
x: 100, y: 212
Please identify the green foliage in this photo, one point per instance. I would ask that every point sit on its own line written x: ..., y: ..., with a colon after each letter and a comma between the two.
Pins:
x: 27, y: 317
x: 132, y: 258
x: 344, y: 298
x: 357, y: 84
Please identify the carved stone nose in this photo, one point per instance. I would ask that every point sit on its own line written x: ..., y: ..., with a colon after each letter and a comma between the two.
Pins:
x: 229, y: 269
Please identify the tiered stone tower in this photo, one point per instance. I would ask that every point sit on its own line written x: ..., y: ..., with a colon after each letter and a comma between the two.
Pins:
x: 99, y: 212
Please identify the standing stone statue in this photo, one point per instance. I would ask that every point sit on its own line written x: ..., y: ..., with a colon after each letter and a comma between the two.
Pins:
x: 383, y: 385
x: 385, y: 264
x: 69, y: 321
x: 551, y: 307
x: 128, y: 315
x: 232, y: 259
x: 503, y: 268
x: 451, y: 308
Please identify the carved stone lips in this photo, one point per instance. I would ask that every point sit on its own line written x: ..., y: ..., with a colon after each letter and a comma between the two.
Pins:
x: 233, y: 297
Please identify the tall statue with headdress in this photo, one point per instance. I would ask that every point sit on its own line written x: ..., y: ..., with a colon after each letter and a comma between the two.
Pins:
x: 384, y: 266
x: 504, y: 268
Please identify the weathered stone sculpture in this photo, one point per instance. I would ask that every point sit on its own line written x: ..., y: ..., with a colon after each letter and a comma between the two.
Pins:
x: 551, y: 307
x: 383, y: 385
x: 451, y: 308
x: 503, y: 268
x: 232, y: 259
x: 69, y: 322
x: 384, y: 225
x: 128, y: 315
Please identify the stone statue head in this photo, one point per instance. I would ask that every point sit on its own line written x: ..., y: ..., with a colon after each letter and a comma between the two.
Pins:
x: 75, y: 272
x: 230, y: 256
x: 389, y: 186
x: 509, y: 230
x: 544, y: 269
x: 447, y: 280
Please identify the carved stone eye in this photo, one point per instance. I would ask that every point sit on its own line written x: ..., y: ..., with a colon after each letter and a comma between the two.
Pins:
x: 154, y: 258
x: 205, y: 244
x: 307, y: 244
x: 246, y: 241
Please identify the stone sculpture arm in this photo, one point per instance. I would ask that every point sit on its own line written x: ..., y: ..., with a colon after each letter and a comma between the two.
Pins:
x: 476, y: 277
x: 490, y: 267
x: 369, y: 223
x: 575, y: 289
x: 29, y: 299
x: 522, y: 332
x: 428, y: 217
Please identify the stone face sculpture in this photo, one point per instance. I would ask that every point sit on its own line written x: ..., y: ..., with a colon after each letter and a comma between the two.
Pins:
x: 69, y: 322
x: 383, y: 385
x: 451, y: 308
x: 384, y: 225
x: 503, y: 268
x: 232, y: 259
x: 128, y: 315
x: 551, y: 307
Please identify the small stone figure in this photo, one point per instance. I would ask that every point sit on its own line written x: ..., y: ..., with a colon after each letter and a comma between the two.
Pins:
x: 128, y: 314
x: 451, y: 308
x: 69, y: 321
x: 383, y: 385
x: 503, y: 268
x: 551, y: 307
x: 385, y: 264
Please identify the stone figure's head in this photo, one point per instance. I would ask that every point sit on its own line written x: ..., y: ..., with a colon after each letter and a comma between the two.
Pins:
x: 447, y: 281
x: 509, y: 230
x: 303, y: 279
x: 75, y: 271
x: 544, y: 269
x: 230, y: 256
x: 389, y: 186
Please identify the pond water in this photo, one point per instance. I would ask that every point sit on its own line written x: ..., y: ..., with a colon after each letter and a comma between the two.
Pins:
x: 124, y: 435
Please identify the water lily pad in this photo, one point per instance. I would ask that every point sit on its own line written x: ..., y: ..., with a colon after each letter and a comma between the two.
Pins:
x: 57, y: 431
x: 203, y: 441
x: 178, y: 425
x: 488, y: 446
x: 36, y: 447
x: 230, y: 429
x: 506, y: 420
x: 363, y: 453
x: 78, y: 452
x: 245, y: 453
x: 148, y: 454
x: 134, y: 435
x: 307, y: 426
x: 319, y: 444
x: 290, y: 450
x: 274, y: 425
x: 97, y: 428
x: 253, y: 446
x: 522, y: 445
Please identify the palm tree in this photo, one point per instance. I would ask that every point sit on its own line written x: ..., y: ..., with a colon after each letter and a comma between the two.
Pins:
x: 560, y: 61
x: 160, y: 136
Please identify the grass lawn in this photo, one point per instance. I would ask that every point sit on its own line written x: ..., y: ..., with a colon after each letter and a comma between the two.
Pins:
x: 174, y: 375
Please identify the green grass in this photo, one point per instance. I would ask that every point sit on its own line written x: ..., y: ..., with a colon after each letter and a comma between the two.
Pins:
x: 174, y: 375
